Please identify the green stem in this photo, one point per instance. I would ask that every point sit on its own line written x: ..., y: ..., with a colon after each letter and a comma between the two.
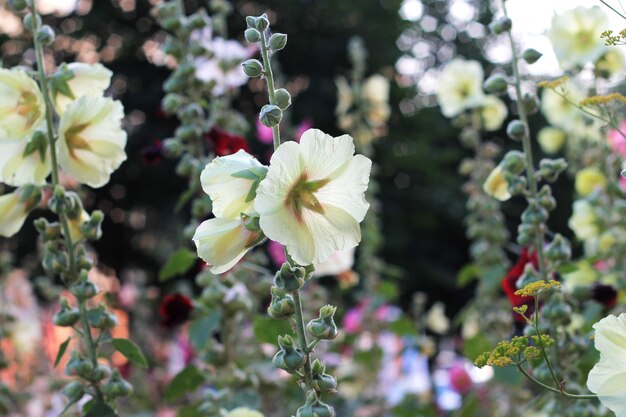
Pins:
x: 270, y: 84
x: 92, y: 348
x: 528, y: 149
x: 552, y: 389
x: 613, y: 8
x: 542, y: 346
x: 304, y: 345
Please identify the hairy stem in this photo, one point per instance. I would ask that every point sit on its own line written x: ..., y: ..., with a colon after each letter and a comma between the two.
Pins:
x: 270, y: 84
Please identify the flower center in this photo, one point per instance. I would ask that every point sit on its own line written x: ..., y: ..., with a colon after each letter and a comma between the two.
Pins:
x: 27, y: 108
x: 302, y: 196
x: 74, y: 140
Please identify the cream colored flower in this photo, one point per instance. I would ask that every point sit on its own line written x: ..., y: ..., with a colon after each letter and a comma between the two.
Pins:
x: 460, y: 87
x: 611, y: 63
x: 583, y: 276
x: 558, y: 111
x: 312, y: 199
x: 13, y: 213
x: 584, y: 221
x: 496, y: 186
x: 223, y: 242
x: 551, y: 139
x: 228, y: 181
x: 436, y: 319
x: 575, y: 36
x: 89, y: 80
x: 340, y: 261
x: 91, y: 139
x: 376, y: 89
x: 493, y: 111
x: 244, y: 412
x: 22, y: 107
x: 17, y: 169
x: 76, y: 232
x: 589, y: 179
x: 607, y: 378
x: 344, y: 96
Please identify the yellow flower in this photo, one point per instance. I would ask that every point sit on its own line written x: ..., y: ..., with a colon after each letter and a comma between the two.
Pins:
x: 493, y: 111
x: 312, y: 199
x: 460, y: 87
x: 589, y: 179
x: 88, y: 80
x: 584, y: 275
x: 575, y: 36
x: 551, y: 139
x: 496, y: 186
x: 91, y: 139
x: 22, y: 107
x: 76, y: 232
x: 607, y: 378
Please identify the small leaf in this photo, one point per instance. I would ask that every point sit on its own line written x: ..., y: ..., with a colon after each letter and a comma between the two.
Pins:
x: 179, y: 263
x: 467, y: 274
x: 184, y: 199
x: 101, y: 410
x: 187, y: 380
x: 131, y: 351
x: 202, y: 328
x: 402, y: 327
x: 62, y: 350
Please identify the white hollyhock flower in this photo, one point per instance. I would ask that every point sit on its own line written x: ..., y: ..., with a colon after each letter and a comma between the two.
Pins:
x: 607, y: 379
x: 376, y: 89
x: 224, y: 66
x: 496, y: 186
x: 13, y: 213
x: 228, y: 181
x: 91, y: 139
x: 223, y: 242
x: 493, y: 111
x: 22, y: 106
x: 584, y: 221
x: 460, y: 86
x: 340, y: 261
x: 312, y: 199
x: 244, y: 412
x: 89, y: 80
x: 17, y: 169
x: 558, y: 110
x: 575, y: 36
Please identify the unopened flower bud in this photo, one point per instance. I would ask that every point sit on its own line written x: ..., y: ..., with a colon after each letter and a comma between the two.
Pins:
x: 314, y: 407
x: 251, y: 21
x: 514, y: 162
x: 278, y: 41
x: 101, y: 319
x: 252, y: 35
x: 516, y: 130
x: 171, y: 23
x: 516, y: 184
x: 531, y: 55
x: 100, y: 372
x: 187, y: 132
x: 525, y: 233
x: 290, y: 278
x: 545, y: 198
x: 45, y: 35
x: 283, y: 98
x: 171, y: 103
x: 74, y: 391
x: 84, y: 290
x: 534, y: 214
x: 253, y: 68
x: 551, y: 168
x: 559, y: 249
x: 530, y: 103
x: 282, y: 304
x: 172, y: 148
x: 29, y: 21
x: 261, y: 23
x: 289, y: 358
x: 501, y: 25
x: 271, y: 115
x: 324, y: 326
x: 117, y: 386
x: 18, y: 5
x: 199, y: 20
x: 67, y: 316
x: 322, y: 382
x: 496, y: 84
x: 78, y: 366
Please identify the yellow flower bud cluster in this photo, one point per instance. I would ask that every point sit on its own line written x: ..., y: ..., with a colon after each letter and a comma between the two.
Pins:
x: 535, y: 288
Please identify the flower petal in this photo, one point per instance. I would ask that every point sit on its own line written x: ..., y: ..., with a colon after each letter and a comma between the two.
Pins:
x: 323, y: 155
x: 285, y: 169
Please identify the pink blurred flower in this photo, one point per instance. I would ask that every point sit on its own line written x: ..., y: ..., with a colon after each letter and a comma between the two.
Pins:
x: 617, y: 142
x: 460, y: 379
x: 304, y: 125
x: 276, y: 252
x: 353, y: 319
x: 264, y: 133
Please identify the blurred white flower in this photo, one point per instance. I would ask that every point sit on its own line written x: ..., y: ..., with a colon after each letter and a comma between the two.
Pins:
x: 376, y: 89
x: 89, y: 80
x: 312, y: 199
x: 57, y: 7
x: 22, y: 107
x: 584, y: 221
x: 575, y: 36
x: 224, y: 66
x: 436, y: 319
x: 496, y: 186
x: 611, y: 63
x: 558, y: 110
x: 493, y: 111
x: 230, y: 193
x: 344, y: 96
x: 551, y: 139
x: 460, y: 86
x: 91, y: 139
x: 339, y: 261
x: 221, y: 242
x: 243, y: 412
x: 607, y: 378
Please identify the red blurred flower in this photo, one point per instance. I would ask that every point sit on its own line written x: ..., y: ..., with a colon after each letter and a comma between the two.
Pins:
x: 175, y: 309
x: 226, y: 143
x: 509, y: 283
x: 604, y: 294
x: 152, y: 154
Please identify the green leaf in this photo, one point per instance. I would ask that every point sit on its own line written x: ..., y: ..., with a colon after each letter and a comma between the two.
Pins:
x: 187, y: 380
x: 267, y: 329
x: 202, y: 328
x: 402, y: 327
x: 62, y: 350
x: 131, y: 351
x: 467, y: 274
x: 101, y: 410
x: 475, y: 346
x: 189, y: 411
x: 179, y: 263
x: 567, y: 269
x: 184, y: 199
x: 388, y: 290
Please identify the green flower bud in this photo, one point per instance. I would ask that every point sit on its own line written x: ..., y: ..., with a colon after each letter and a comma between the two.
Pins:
x: 324, y: 326
x: 314, y: 407
x: 514, y: 162
x: 261, y: 23
x: 282, y: 304
x: 47, y: 231
x: 192, y: 111
x: 251, y: 21
x: 187, y: 133
x: 322, y: 382
x: 29, y: 21
x: 117, y: 386
x: 545, y: 198
x: 84, y: 290
x: 171, y: 23
x: 165, y: 10
x: 67, y: 316
x: 99, y: 318
x: 516, y: 130
x: 290, y: 278
x: 99, y: 373
x: 74, y: 391
x: 173, y: 47
x: 558, y: 250
x: 289, y: 358
x: 252, y: 35
x: 45, y: 35
x: 172, y: 148
x: 496, y: 84
x: 501, y: 25
x: 199, y: 20
x: 18, y: 5
x: 171, y: 103
x: 530, y: 103
x: 54, y: 260
x: 531, y: 55
x: 253, y: 67
x: 283, y: 98
x: 78, y: 366
x: 516, y: 184
x: 278, y: 41
x: 534, y: 214
x: 174, y: 84
x: 270, y: 115
x: 550, y: 169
